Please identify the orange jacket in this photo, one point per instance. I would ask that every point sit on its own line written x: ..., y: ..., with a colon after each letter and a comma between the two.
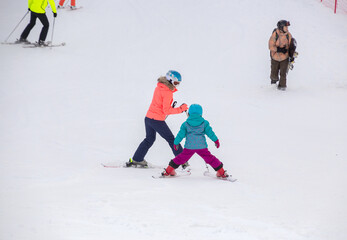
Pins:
x: 162, y: 100
x: 282, y: 41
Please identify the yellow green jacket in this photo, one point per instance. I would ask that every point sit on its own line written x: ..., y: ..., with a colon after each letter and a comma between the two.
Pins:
x: 39, y: 6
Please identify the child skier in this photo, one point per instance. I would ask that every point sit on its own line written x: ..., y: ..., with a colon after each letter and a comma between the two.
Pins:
x: 194, y: 130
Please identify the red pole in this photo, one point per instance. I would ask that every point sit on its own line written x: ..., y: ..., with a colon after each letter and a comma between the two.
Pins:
x: 335, y: 6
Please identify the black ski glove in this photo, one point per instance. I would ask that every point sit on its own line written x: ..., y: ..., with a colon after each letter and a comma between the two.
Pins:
x: 55, y: 14
x: 282, y: 50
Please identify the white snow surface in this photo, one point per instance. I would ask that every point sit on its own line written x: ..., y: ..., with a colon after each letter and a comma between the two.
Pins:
x: 66, y: 110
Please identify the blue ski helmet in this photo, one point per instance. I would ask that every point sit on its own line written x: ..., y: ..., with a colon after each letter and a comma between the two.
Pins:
x: 173, y: 76
x: 195, y: 109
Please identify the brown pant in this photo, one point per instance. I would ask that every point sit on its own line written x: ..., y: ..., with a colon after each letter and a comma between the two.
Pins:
x: 282, y: 68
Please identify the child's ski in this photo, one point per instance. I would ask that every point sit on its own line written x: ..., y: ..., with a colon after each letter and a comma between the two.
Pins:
x: 178, y: 174
x: 213, y: 175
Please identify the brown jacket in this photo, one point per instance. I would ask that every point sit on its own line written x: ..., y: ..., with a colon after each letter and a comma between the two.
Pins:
x: 282, y: 41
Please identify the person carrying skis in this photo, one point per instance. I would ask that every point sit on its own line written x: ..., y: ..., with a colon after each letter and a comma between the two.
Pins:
x: 37, y: 8
x: 73, y: 4
x: 194, y: 130
x: 159, y: 109
x: 279, y: 45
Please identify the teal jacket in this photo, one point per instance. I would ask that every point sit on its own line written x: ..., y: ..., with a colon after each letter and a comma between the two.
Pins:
x: 194, y: 130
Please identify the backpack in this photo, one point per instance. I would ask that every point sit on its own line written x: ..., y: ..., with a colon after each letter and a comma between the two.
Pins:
x: 278, y: 36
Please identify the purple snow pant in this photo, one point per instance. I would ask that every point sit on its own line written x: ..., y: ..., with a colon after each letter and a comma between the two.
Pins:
x: 186, y: 154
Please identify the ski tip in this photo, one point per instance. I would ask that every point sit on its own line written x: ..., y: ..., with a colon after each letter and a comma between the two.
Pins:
x: 232, y: 179
x: 110, y: 166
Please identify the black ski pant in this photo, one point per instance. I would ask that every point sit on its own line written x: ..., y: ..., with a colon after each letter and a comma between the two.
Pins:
x: 153, y: 127
x: 282, y: 68
x: 44, y: 20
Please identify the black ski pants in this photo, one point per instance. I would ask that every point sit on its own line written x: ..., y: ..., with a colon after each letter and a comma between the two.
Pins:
x: 153, y: 127
x: 44, y: 20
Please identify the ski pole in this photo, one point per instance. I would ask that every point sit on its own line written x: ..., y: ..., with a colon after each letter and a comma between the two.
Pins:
x: 173, y: 105
x: 17, y: 25
x: 52, y: 31
x: 207, y: 167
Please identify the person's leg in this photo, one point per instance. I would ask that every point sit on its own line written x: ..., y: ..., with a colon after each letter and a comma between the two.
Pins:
x: 283, y: 73
x: 73, y: 3
x: 182, y: 158
x: 61, y: 3
x: 214, y: 162
x: 44, y: 20
x: 30, y: 26
x: 209, y: 158
x: 147, y: 143
x: 275, y: 67
x: 164, y: 131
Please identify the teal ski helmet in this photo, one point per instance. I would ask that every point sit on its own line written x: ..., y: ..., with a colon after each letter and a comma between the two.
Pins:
x: 173, y: 77
x: 195, y: 109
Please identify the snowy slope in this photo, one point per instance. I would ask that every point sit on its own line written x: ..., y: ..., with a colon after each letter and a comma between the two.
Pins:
x: 66, y: 110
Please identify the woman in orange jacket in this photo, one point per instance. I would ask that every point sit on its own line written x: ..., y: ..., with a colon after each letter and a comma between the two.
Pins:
x: 159, y: 109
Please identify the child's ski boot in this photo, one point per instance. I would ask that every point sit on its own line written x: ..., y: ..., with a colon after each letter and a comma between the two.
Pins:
x: 221, y: 173
x: 169, y: 171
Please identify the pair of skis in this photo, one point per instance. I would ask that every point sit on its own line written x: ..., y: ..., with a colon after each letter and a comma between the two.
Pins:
x: 49, y: 45
x: 35, y: 45
x: 69, y: 7
x: 179, y: 173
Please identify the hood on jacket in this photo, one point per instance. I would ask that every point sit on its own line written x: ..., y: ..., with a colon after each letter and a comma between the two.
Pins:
x: 164, y: 81
x: 195, y: 120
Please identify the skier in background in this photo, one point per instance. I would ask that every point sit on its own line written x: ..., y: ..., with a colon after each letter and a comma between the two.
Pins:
x: 37, y: 8
x: 159, y: 109
x: 194, y: 130
x: 279, y: 45
x: 73, y: 4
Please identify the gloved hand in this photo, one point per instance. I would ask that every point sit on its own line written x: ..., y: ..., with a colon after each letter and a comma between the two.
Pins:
x: 282, y: 50
x: 176, y: 147
x: 184, y: 107
x: 28, y: 9
x: 217, y: 143
x: 55, y: 14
